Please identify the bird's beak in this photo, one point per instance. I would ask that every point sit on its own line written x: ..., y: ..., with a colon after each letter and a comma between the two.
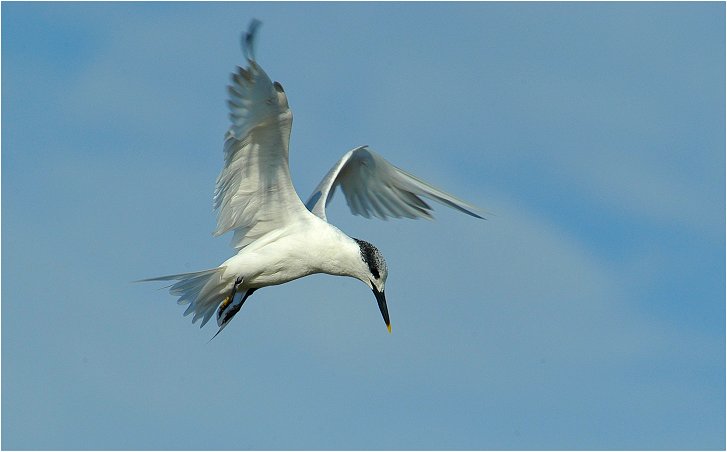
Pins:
x: 381, y: 300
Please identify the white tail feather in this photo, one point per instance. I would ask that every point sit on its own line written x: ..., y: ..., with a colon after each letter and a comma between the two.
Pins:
x: 203, y: 291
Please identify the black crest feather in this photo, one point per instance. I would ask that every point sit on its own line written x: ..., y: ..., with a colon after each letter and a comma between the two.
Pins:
x: 373, y: 258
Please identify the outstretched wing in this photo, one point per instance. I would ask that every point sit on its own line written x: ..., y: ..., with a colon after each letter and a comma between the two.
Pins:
x: 254, y: 194
x: 373, y: 186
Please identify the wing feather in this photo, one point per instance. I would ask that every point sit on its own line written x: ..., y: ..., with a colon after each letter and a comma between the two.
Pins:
x: 373, y: 186
x: 254, y: 194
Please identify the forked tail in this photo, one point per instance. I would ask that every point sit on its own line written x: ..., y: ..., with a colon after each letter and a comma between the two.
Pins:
x: 203, y: 291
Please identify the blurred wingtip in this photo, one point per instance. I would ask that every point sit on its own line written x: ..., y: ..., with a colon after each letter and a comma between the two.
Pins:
x: 248, y: 39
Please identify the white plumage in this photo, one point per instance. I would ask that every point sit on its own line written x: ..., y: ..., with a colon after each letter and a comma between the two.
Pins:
x: 278, y: 238
x: 373, y: 186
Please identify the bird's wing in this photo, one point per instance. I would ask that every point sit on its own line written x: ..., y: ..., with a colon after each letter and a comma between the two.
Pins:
x: 373, y: 186
x: 254, y: 194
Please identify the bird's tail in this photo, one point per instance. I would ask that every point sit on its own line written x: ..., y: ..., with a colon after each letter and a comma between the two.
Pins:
x: 203, y: 291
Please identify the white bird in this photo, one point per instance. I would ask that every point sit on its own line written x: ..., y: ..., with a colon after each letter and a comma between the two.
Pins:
x: 277, y: 237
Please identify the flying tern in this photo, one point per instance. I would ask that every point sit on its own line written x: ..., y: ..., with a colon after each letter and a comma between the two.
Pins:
x: 278, y: 238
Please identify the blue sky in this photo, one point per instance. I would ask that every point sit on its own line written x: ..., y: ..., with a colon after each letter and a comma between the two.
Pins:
x: 587, y: 312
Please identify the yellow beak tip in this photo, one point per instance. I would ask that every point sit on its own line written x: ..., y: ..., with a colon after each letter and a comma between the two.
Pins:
x: 389, y: 328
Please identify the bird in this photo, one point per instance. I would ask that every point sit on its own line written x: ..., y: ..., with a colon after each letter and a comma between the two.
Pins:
x: 277, y: 237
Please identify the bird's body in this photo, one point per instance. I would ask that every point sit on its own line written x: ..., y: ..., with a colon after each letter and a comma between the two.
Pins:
x: 304, y: 248
x: 278, y: 238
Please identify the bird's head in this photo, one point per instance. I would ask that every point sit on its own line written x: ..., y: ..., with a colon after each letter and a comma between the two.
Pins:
x: 373, y: 273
